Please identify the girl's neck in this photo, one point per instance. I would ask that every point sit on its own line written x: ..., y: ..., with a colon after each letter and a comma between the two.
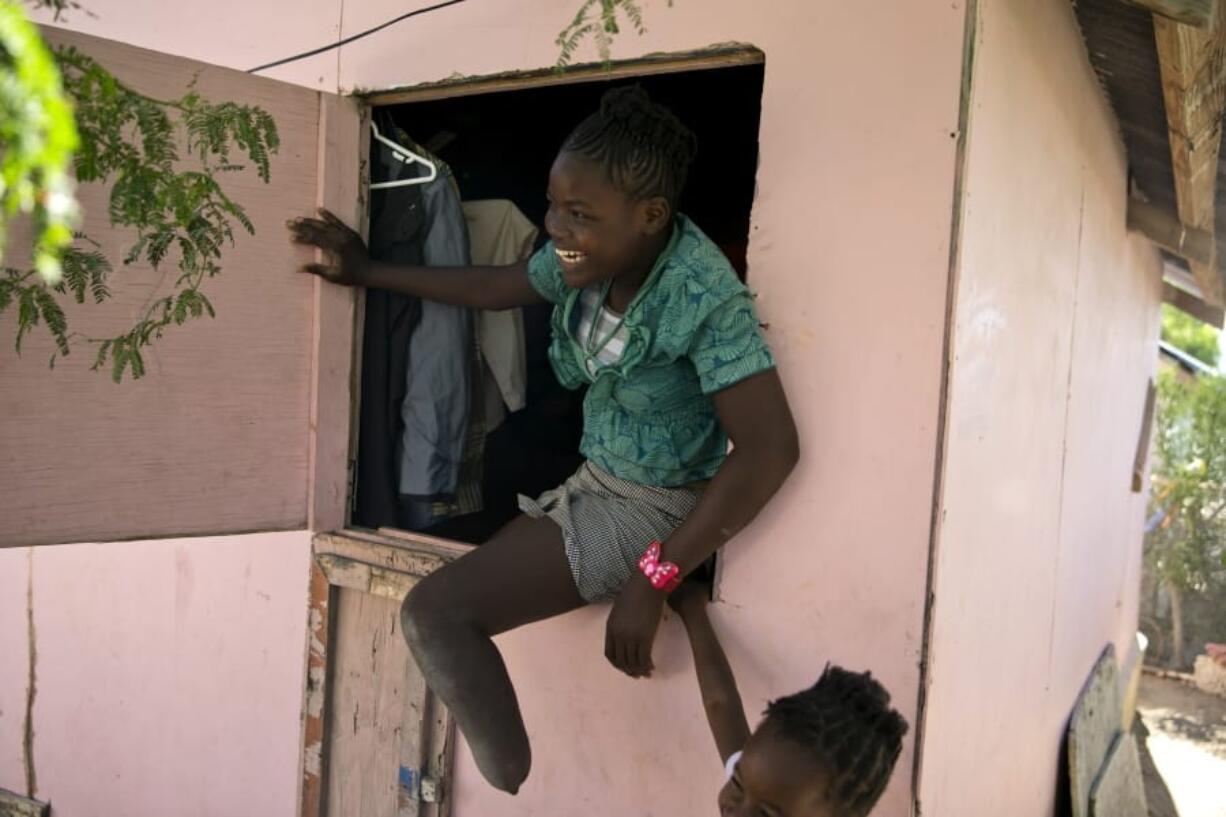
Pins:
x: 627, y: 285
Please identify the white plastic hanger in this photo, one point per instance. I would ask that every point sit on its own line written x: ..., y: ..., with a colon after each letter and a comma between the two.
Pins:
x: 408, y: 157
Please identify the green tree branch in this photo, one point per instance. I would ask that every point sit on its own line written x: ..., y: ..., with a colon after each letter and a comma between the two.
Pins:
x: 598, y: 19
x: 131, y: 140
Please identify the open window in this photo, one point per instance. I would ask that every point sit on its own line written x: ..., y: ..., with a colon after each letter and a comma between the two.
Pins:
x: 498, y: 138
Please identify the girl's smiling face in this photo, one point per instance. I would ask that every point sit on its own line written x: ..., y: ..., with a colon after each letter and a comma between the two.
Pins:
x: 599, y: 232
x: 774, y: 778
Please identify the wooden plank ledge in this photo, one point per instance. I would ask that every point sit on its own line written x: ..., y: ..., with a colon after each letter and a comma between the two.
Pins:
x: 407, y: 554
x: 1187, y: 302
x: 1192, y: 62
x: 366, y: 578
x: 1165, y: 230
x: 1196, y: 13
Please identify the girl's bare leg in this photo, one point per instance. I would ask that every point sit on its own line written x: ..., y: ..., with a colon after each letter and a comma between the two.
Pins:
x: 519, y: 576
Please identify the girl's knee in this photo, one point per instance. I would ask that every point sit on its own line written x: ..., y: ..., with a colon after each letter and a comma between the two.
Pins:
x: 422, y: 614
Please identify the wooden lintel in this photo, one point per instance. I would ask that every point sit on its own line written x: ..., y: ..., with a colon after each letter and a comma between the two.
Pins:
x: 1162, y: 228
x: 726, y: 55
x: 1193, y: 68
x: 1189, y: 303
x: 1190, y: 12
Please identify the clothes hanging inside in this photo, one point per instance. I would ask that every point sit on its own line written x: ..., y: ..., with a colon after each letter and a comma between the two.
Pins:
x: 421, y: 435
x: 500, y: 235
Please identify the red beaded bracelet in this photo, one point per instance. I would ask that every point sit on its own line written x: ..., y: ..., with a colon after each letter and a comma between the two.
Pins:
x: 664, y: 576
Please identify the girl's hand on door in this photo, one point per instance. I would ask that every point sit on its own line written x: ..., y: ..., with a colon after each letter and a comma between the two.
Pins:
x: 346, y: 259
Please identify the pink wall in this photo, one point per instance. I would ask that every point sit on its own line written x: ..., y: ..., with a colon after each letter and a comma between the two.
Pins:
x: 168, y: 674
x: 1056, y: 314
x: 850, y: 253
x: 233, y: 34
x: 1038, y: 546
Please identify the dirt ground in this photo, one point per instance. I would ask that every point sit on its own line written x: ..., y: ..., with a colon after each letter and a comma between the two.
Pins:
x: 1184, y: 754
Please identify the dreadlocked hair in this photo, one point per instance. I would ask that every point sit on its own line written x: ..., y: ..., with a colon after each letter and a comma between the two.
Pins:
x: 643, y: 147
x: 846, y: 723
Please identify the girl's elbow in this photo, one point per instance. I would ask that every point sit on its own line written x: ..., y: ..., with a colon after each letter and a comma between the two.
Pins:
x: 788, y: 449
x: 775, y: 454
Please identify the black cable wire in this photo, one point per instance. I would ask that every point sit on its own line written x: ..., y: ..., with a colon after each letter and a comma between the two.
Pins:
x: 358, y: 36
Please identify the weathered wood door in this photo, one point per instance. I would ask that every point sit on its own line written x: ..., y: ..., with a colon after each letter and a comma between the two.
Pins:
x: 378, y: 743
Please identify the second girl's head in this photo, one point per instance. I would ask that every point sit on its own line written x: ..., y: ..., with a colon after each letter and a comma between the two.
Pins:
x: 614, y: 186
x: 826, y: 751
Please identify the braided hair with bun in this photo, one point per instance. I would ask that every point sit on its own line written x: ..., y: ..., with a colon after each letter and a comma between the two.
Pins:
x: 846, y: 723
x: 644, y: 149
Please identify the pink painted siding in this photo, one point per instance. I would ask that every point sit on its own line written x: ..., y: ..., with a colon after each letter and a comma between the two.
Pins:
x: 850, y: 254
x: 1053, y: 341
x: 214, y: 438
x: 1055, y: 313
x: 231, y: 34
x: 169, y: 674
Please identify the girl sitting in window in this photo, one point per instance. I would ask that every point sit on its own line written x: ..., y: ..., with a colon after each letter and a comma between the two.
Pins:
x: 652, y: 318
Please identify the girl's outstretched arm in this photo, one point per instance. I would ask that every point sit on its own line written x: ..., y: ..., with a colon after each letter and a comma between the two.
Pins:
x: 720, y: 698
x: 756, y: 415
x: 347, y: 262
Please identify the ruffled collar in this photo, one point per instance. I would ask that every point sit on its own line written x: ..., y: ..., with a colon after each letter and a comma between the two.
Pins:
x: 638, y: 334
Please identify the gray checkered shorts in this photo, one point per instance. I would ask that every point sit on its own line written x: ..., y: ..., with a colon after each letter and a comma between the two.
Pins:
x: 607, y: 523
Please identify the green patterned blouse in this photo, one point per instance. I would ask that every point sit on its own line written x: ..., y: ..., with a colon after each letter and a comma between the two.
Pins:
x: 692, y: 331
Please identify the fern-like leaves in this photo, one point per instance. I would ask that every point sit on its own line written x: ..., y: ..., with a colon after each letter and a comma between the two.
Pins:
x: 598, y: 19
x: 137, y: 144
